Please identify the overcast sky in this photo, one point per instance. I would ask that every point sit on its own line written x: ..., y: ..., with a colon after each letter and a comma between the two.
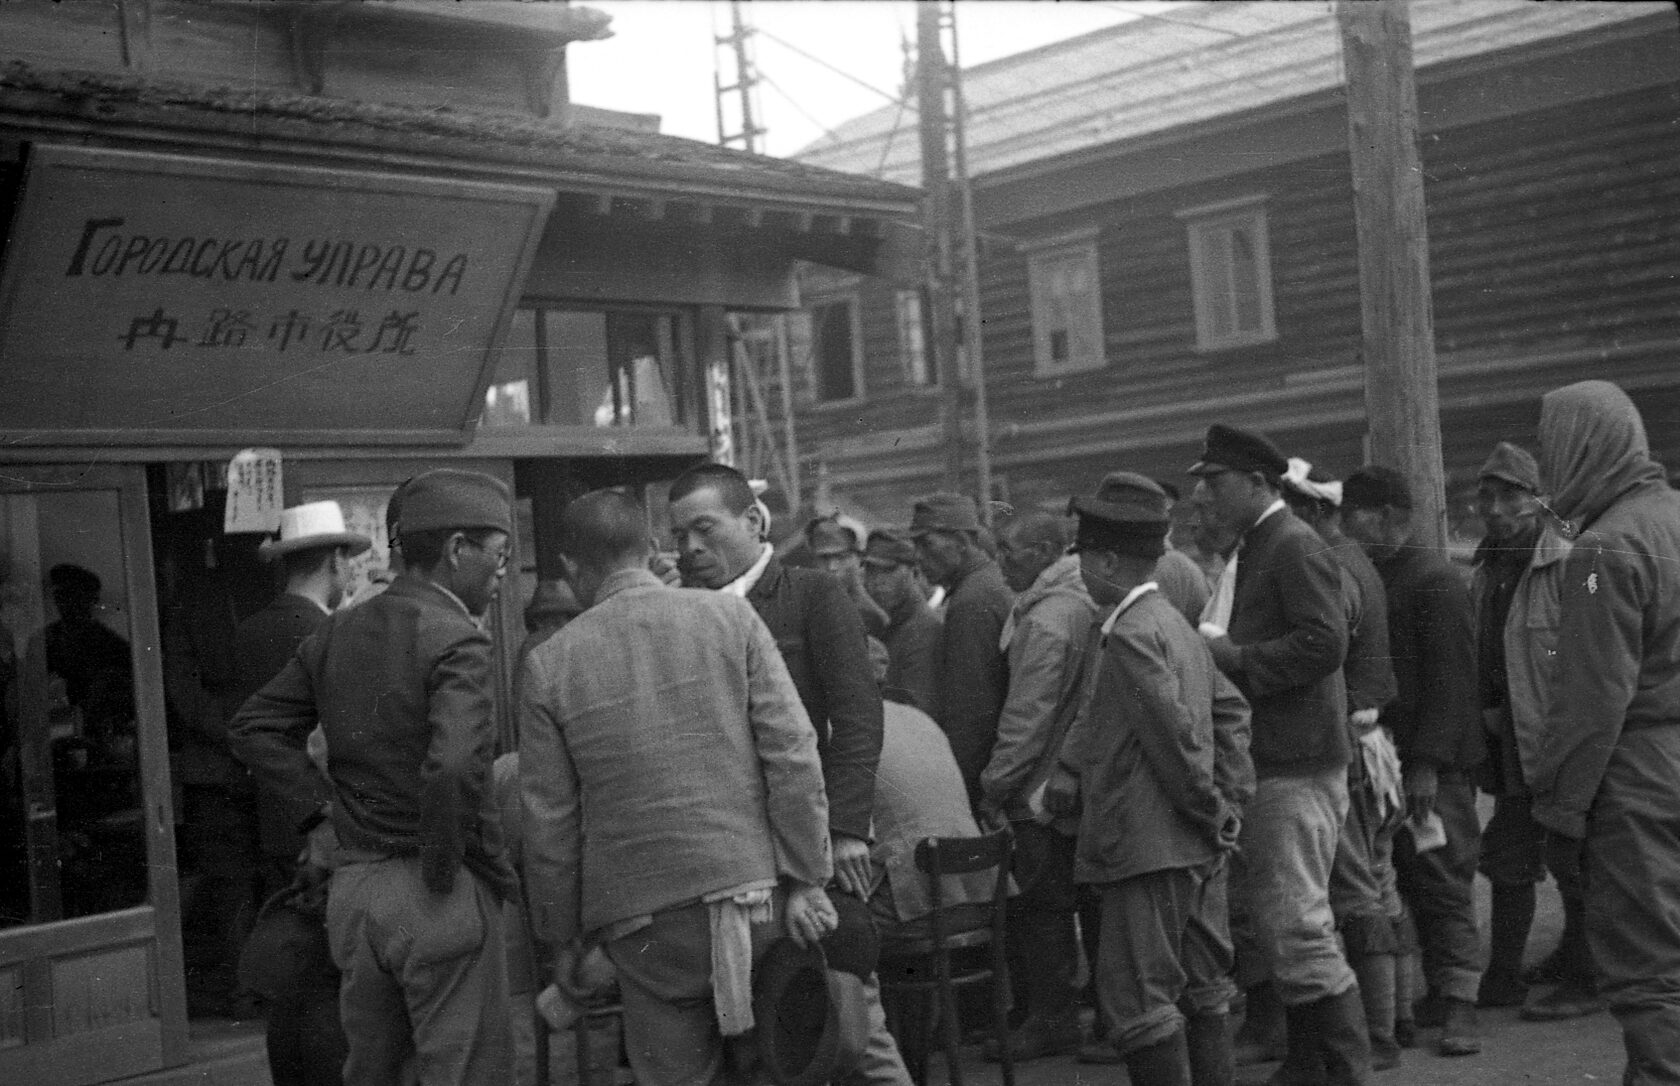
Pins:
x: 661, y: 58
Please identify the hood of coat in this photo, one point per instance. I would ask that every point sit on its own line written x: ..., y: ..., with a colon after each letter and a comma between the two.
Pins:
x: 1593, y: 449
x: 1059, y: 578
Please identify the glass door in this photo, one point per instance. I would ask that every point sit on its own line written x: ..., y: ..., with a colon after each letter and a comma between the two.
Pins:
x: 90, y: 952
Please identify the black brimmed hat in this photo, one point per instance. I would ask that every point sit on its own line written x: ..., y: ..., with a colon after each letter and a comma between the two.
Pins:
x: 1230, y: 449
x: 1125, y: 499
x: 1374, y: 486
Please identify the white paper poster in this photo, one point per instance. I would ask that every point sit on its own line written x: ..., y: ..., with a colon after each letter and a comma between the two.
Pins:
x: 255, y: 493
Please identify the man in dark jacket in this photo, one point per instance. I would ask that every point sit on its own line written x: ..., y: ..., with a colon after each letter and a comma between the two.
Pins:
x: 314, y: 553
x: 1159, y: 763
x: 973, y: 677
x: 913, y: 630
x: 401, y: 688
x: 1608, y: 768
x: 717, y: 527
x: 1437, y: 727
x: 1277, y: 627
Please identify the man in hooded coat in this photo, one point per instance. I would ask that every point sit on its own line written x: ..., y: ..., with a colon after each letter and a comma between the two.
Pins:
x: 1608, y: 768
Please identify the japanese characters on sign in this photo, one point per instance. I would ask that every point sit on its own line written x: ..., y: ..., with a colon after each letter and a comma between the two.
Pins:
x: 207, y: 295
x: 255, y: 492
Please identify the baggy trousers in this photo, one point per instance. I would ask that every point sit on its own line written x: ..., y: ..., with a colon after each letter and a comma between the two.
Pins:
x: 1164, y: 939
x: 1438, y: 886
x: 1633, y: 885
x: 425, y: 976
x: 1282, y: 872
x: 1042, y: 941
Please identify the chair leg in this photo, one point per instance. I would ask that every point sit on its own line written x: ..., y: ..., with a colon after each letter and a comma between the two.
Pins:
x: 953, y: 1029
x: 1000, y: 1027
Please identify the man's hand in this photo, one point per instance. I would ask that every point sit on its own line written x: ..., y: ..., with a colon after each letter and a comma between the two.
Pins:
x: 1226, y: 656
x: 665, y: 568
x: 1422, y: 782
x: 851, y: 865
x: 1230, y: 829
x: 321, y: 849
x: 1061, y: 793
x: 809, y: 915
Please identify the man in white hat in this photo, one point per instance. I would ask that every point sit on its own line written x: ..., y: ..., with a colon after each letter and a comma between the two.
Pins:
x: 313, y: 552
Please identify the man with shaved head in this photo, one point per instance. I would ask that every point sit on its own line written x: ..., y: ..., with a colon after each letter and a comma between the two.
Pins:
x: 672, y: 795
x: 1045, y: 639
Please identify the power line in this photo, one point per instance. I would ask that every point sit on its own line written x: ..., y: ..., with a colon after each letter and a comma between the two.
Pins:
x: 829, y: 132
x: 820, y: 61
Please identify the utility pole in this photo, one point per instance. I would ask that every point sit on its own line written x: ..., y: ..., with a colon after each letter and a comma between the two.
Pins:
x: 1398, y: 340
x: 745, y: 84
x: 972, y: 324
x: 937, y: 218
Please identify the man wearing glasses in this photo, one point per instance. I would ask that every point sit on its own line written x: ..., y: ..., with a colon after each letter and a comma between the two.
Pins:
x: 401, y: 687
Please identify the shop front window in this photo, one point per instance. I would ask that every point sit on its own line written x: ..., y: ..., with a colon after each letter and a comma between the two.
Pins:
x: 580, y: 367
x: 75, y: 839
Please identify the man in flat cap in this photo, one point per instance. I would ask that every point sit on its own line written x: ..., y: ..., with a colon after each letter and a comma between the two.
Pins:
x: 1608, y: 767
x: 401, y: 687
x: 1045, y: 639
x: 1517, y: 590
x: 1277, y: 627
x: 836, y: 544
x: 1159, y: 770
x: 973, y: 675
x: 913, y: 629
x: 1437, y: 728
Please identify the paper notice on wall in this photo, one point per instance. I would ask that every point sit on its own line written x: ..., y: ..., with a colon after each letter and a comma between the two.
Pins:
x: 255, y: 493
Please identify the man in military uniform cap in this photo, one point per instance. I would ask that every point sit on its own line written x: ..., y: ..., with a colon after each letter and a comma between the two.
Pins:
x: 401, y: 687
x: 1277, y: 627
x: 913, y: 630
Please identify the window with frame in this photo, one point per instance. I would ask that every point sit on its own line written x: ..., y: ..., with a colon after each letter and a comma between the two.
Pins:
x: 912, y: 340
x: 1231, y: 274
x: 826, y: 343
x: 1066, y: 299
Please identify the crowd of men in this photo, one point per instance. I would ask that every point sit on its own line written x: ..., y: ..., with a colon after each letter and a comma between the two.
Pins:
x: 1238, y: 744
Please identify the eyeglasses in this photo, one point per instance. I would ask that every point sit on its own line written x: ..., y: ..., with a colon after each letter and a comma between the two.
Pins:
x: 500, y: 555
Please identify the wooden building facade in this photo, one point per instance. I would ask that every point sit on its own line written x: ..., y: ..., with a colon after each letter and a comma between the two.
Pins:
x: 353, y: 242
x: 1179, y: 195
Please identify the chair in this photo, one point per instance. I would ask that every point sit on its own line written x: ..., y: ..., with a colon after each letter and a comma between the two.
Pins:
x: 937, y: 857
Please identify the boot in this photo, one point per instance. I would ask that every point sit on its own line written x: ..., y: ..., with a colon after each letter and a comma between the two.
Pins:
x: 1513, y: 916
x: 1303, y: 1063
x: 1459, y: 1033
x: 1344, y: 1039
x: 1408, y: 982
x: 1164, y: 1063
x: 1571, y: 948
x: 1261, y: 1038
x: 1376, y: 992
x: 1208, y: 1036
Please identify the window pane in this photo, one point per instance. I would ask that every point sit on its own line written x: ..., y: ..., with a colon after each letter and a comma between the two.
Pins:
x: 1245, y: 280
x: 912, y: 338
x: 1215, y: 280
x: 509, y: 399
x: 75, y: 839
x: 832, y: 351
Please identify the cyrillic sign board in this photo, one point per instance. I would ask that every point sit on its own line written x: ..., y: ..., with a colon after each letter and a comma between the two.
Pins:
x: 160, y: 297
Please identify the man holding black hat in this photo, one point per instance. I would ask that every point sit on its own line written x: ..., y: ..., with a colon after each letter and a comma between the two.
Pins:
x: 1517, y: 590
x: 401, y: 687
x: 913, y: 630
x: 1159, y: 765
x: 1277, y: 627
x: 1437, y: 728
x: 973, y: 676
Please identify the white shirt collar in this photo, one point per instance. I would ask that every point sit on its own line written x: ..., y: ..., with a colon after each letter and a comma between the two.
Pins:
x: 743, y: 584
x: 1131, y: 598
x: 1270, y: 509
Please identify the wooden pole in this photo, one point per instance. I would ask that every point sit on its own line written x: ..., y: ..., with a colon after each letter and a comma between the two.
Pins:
x: 937, y: 221
x: 1398, y: 341
x: 972, y: 323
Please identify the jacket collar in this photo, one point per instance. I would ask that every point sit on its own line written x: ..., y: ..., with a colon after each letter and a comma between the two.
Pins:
x: 768, y: 578
x: 623, y: 580
x: 1551, y: 547
x: 1059, y: 576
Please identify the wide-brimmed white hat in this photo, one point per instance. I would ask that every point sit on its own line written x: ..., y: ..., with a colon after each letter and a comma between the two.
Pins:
x: 313, y: 524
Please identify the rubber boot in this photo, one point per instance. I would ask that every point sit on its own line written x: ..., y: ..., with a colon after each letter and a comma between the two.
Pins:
x: 1261, y: 1038
x: 1208, y: 1037
x: 1343, y: 1039
x: 1513, y: 916
x: 1376, y: 992
x: 1460, y: 1034
x: 1303, y: 1063
x: 1164, y: 1063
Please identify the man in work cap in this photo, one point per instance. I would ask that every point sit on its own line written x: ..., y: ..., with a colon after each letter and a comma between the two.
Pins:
x: 401, y: 686
x: 1518, y: 591
x: 972, y: 673
x: 1438, y: 732
x: 913, y: 631
x: 1608, y: 766
x: 836, y: 544
x: 1154, y: 831
x: 1278, y: 630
